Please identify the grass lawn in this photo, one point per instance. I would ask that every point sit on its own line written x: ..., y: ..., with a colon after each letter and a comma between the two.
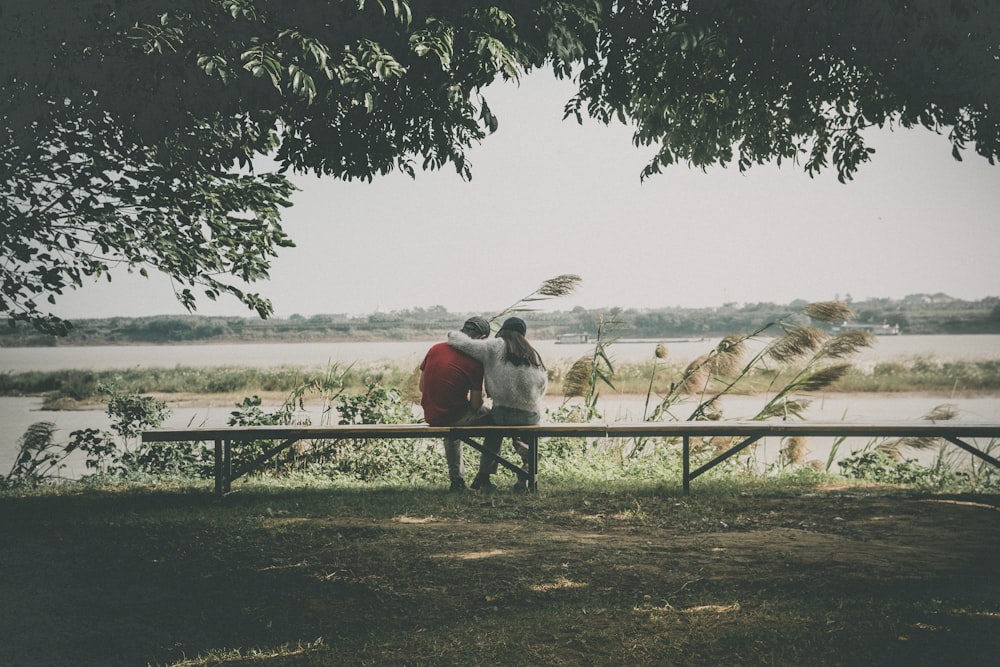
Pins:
x: 287, y: 574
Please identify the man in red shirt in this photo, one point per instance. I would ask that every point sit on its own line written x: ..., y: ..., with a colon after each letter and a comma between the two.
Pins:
x: 451, y: 393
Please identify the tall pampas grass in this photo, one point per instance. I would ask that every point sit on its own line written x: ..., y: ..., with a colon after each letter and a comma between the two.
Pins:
x: 725, y: 361
x: 794, y: 450
x: 695, y: 378
x: 894, y: 448
x: 796, y: 344
x: 808, y: 352
x: 659, y: 352
x: 729, y: 356
x: 784, y: 409
x: 830, y: 312
x: 586, y: 372
x: 578, y: 379
x: 822, y: 378
x: 847, y: 343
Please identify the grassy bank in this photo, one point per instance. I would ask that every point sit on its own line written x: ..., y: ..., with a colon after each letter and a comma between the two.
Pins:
x: 310, y: 573
x: 912, y: 375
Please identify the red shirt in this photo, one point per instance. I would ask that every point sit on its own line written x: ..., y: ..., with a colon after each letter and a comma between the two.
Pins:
x: 449, y: 375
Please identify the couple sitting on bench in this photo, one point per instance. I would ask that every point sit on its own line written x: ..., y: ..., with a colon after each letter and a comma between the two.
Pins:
x: 452, y: 376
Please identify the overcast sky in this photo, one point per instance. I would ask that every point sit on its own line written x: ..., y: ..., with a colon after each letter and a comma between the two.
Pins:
x: 550, y: 197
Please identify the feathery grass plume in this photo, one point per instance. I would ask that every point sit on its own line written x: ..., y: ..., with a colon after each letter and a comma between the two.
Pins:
x: 824, y: 377
x: 659, y: 353
x: 562, y: 285
x: 796, y: 343
x: 729, y: 355
x: 722, y: 443
x: 795, y: 449
x: 831, y: 312
x: 893, y: 448
x: 578, y: 377
x: 783, y: 409
x: 711, y: 413
x: 847, y: 343
x: 695, y: 378
x: 943, y: 412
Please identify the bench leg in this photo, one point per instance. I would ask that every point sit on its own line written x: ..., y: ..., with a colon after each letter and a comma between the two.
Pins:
x: 686, y: 455
x: 227, y: 466
x: 532, y: 442
x: 218, y: 467
x: 223, y: 466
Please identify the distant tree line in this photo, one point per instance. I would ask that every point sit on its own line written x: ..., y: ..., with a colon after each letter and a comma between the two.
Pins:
x: 915, y: 314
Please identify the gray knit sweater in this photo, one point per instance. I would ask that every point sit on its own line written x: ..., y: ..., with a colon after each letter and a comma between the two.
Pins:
x: 520, y: 387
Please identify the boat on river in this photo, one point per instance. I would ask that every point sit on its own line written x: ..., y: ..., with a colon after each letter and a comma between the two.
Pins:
x: 572, y: 338
x: 876, y: 329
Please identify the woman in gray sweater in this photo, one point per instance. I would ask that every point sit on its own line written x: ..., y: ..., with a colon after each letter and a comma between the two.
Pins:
x: 515, y: 379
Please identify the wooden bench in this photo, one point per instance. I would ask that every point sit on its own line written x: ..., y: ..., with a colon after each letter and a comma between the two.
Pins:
x: 750, y: 432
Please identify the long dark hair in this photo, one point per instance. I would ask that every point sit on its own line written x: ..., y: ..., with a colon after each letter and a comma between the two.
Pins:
x: 519, y: 351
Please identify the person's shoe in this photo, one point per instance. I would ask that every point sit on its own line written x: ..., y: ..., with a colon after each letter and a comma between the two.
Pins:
x: 521, y: 485
x: 457, y: 485
x: 483, y: 483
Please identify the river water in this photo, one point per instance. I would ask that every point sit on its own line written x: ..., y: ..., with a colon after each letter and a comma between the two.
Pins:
x: 16, y: 359
x: 17, y: 413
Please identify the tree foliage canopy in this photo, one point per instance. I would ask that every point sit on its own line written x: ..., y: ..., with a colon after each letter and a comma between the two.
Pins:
x: 718, y: 81
x: 129, y: 129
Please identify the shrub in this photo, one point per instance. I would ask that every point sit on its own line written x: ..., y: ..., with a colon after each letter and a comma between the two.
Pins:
x: 111, y: 453
x: 368, y: 460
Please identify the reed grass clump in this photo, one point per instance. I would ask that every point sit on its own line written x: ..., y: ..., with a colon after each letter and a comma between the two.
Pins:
x: 695, y: 379
x: 847, y: 343
x: 577, y: 380
x: 795, y: 344
x: 830, y: 312
x: 795, y: 450
x: 730, y: 355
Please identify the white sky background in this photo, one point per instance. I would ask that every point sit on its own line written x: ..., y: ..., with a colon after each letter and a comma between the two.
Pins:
x: 549, y: 197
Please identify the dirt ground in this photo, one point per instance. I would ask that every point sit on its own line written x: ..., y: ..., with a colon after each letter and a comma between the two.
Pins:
x: 832, y: 576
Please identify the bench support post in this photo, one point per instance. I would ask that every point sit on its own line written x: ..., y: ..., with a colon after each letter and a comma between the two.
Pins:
x: 223, y: 466
x: 227, y: 466
x: 686, y: 457
x: 218, y: 466
x: 532, y: 442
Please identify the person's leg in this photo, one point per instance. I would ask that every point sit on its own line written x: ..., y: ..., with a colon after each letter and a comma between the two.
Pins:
x: 522, y: 449
x: 456, y: 465
x: 525, y: 447
x: 504, y: 416
x: 487, y: 464
x: 453, y: 448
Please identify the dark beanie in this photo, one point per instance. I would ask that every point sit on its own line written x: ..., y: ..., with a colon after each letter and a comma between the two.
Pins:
x: 477, y: 324
x: 515, y: 324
